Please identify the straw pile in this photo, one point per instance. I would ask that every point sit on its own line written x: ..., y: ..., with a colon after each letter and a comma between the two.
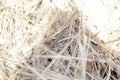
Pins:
x: 59, y: 39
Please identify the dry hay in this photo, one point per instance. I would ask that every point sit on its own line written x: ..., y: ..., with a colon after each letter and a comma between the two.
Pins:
x: 56, y: 39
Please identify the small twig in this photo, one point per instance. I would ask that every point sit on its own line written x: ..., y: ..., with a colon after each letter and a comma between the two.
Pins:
x: 38, y: 5
x: 113, y: 41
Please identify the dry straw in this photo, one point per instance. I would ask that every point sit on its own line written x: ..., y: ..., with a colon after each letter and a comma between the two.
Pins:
x: 59, y: 39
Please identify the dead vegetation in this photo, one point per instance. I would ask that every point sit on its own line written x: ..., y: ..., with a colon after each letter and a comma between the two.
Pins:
x: 56, y: 40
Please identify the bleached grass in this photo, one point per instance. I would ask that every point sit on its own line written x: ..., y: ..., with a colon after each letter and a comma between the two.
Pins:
x: 58, y: 39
